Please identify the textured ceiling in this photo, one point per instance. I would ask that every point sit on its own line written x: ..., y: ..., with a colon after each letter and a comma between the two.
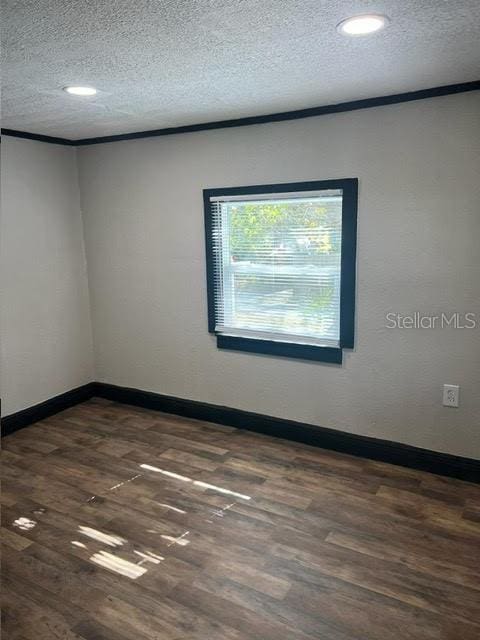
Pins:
x: 163, y: 63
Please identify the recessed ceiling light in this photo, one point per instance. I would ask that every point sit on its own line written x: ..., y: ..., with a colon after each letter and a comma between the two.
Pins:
x: 363, y: 25
x: 80, y: 91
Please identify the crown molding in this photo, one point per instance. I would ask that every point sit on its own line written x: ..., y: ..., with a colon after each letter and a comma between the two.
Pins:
x: 342, y: 107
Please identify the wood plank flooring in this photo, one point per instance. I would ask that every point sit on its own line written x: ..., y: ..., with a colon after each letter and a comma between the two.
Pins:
x: 126, y: 524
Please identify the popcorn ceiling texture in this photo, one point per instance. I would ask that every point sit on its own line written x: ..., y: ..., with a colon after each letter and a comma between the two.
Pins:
x: 167, y: 63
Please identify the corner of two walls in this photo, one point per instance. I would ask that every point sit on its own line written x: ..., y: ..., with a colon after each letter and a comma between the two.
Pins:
x: 86, y: 272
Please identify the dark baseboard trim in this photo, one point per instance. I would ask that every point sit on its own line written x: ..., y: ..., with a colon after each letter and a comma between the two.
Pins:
x: 38, y: 137
x: 46, y: 409
x: 383, y: 450
x: 342, y: 107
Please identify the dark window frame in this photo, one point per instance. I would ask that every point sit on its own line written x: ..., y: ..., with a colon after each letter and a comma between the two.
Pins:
x: 349, y: 187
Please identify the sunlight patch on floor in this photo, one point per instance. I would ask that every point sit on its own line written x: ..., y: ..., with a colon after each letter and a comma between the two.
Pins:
x: 107, y: 538
x: 25, y: 524
x: 197, y: 483
x: 118, y: 565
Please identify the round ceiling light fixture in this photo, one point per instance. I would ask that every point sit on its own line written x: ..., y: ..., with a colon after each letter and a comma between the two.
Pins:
x: 80, y: 91
x: 362, y: 25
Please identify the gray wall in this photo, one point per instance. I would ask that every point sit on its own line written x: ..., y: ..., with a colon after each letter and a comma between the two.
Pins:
x: 419, y: 225
x: 45, y: 319
x: 419, y: 228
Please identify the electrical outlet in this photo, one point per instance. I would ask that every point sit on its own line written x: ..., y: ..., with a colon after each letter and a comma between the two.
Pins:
x: 451, y: 393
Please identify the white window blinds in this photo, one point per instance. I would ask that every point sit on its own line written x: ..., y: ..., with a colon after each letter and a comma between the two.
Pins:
x: 276, y: 260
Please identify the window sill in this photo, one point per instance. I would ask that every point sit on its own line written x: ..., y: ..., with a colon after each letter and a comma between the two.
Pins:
x: 283, y: 349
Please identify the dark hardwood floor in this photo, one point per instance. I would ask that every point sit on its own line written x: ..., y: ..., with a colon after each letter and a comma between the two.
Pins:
x: 126, y: 524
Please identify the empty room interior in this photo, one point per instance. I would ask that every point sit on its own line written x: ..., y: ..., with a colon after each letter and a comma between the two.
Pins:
x: 240, y: 320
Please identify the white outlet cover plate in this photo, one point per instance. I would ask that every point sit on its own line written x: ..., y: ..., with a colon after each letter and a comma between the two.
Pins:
x: 451, y: 395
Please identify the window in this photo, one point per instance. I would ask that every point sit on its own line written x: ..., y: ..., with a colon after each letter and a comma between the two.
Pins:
x: 281, y: 268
